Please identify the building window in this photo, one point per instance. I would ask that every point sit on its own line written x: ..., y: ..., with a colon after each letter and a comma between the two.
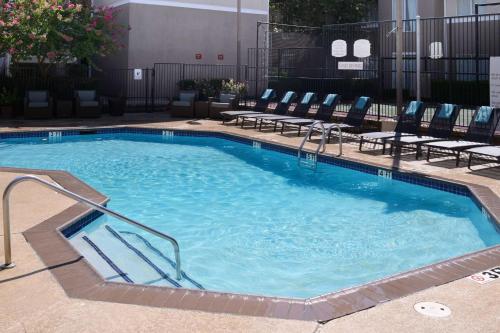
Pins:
x: 409, y: 9
x: 467, y: 7
x: 409, y: 13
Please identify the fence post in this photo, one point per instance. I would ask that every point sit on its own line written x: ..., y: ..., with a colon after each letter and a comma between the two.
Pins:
x: 450, y: 66
x: 153, y: 88
x: 419, y: 56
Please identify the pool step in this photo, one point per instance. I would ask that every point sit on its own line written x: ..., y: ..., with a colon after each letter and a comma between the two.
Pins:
x: 97, y: 259
x: 158, y: 258
x: 107, y: 252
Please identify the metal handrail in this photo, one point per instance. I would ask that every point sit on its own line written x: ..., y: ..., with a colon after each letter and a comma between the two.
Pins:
x: 322, y: 144
x: 339, y: 129
x: 76, y: 197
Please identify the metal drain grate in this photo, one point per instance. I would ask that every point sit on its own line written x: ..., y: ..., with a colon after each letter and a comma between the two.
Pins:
x: 432, y: 309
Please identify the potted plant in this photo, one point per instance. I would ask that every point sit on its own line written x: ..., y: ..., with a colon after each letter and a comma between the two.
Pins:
x: 7, y: 100
x: 234, y: 87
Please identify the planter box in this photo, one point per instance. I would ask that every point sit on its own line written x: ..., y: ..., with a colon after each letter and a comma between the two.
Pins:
x: 64, y: 108
x: 201, y: 109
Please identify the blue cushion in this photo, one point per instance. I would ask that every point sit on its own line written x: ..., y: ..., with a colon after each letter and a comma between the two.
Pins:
x: 446, y: 111
x: 361, y: 103
x: 86, y: 95
x: 269, y: 93
x: 483, y: 115
x: 412, y: 108
x: 288, y: 97
x: 38, y: 96
x: 308, y: 98
x: 330, y: 99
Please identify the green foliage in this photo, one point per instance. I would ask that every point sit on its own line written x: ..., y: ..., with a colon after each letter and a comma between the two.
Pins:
x: 56, y: 31
x: 320, y: 12
x: 234, y: 87
x: 187, y: 85
x: 7, y: 97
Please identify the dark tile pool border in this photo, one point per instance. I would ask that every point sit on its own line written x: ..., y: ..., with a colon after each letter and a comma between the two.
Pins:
x: 80, y: 280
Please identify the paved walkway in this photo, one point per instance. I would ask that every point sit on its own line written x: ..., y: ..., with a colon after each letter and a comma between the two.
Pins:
x: 32, y: 300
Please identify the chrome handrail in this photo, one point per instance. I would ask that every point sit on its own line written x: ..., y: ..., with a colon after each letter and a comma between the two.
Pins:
x: 76, y: 197
x: 337, y: 126
x: 322, y: 144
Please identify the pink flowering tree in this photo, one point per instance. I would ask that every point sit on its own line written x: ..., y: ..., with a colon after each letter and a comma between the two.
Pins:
x: 56, y: 31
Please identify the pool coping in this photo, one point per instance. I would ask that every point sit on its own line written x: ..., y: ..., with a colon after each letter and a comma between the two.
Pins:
x: 79, y: 279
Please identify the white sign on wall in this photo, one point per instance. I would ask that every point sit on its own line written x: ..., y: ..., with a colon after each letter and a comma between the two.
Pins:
x: 495, y: 82
x: 350, y: 66
x: 436, y: 50
x: 339, y: 48
x: 137, y: 74
x: 362, y: 48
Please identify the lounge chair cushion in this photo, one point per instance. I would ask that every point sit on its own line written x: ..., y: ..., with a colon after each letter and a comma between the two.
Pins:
x: 182, y: 103
x: 329, y: 100
x: 89, y: 104
x: 308, y: 98
x: 455, y: 144
x: 269, y: 93
x: 446, y: 111
x: 86, y: 95
x: 483, y: 115
x: 361, y: 103
x: 38, y: 96
x: 218, y: 105
x: 38, y: 104
x: 383, y: 135
x: 187, y: 96
x: 493, y: 151
x: 412, y: 108
x: 288, y: 97
x: 226, y: 98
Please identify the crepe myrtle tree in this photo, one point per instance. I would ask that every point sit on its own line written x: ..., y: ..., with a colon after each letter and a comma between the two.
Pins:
x: 56, y: 31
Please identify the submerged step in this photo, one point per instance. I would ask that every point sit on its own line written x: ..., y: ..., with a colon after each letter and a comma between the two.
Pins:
x: 100, y: 262
x: 159, y: 258
x: 132, y: 266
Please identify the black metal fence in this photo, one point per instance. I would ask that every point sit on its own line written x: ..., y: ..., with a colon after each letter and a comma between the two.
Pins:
x: 454, y: 62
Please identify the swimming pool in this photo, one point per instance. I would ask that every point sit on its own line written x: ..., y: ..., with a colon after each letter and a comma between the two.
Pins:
x: 249, y: 220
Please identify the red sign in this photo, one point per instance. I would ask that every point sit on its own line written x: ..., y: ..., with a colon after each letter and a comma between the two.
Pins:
x: 198, y: 56
x: 220, y: 57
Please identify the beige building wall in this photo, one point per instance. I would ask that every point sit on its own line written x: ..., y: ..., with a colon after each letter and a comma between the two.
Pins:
x: 177, y: 31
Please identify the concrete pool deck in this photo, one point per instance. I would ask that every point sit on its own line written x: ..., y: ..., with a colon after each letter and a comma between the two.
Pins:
x: 32, y: 300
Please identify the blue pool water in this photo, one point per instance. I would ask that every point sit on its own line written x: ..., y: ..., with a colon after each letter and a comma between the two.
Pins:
x: 252, y: 221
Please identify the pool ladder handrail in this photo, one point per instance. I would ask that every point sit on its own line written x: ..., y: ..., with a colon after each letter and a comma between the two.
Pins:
x: 322, y: 145
x: 59, y: 189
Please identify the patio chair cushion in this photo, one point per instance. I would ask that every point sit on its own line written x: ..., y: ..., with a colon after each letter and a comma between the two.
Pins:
x: 187, y: 96
x: 86, y: 95
x: 329, y: 100
x: 483, y: 115
x: 182, y: 103
x: 38, y: 96
x: 89, y: 104
x: 268, y: 94
x: 38, y: 104
x: 361, y: 103
x: 308, y: 98
x: 412, y: 108
x: 226, y: 98
x: 446, y: 111
x: 288, y: 97
x: 219, y: 105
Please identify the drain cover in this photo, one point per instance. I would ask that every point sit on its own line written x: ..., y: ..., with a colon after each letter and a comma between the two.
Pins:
x: 432, y: 309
